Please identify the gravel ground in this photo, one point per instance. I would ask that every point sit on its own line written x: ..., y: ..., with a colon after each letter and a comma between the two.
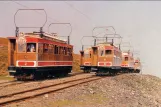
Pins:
x: 36, y: 84
x: 127, y: 90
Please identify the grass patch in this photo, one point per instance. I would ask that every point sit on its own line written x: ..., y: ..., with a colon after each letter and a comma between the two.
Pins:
x: 64, y: 103
x: 80, y: 101
x: 6, y: 78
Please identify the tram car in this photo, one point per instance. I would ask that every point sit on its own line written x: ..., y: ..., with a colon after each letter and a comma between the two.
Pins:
x: 137, y: 66
x: 107, y: 59
x: 37, y: 55
x: 33, y: 56
x: 127, y: 65
x: 86, y: 60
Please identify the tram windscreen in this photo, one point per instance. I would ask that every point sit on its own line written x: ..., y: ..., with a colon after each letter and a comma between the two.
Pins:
x: 108, y: 52
x: 87, y: 55
x: 21, y: 47
x: 126, y: 58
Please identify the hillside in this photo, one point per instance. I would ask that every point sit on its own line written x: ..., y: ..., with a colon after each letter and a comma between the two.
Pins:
x: 76, y: 63
x: 126, y: 90
x: 3, y: 55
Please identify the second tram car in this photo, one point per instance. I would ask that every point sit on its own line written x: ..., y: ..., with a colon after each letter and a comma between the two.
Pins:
x: 127, y: 62
x: 107, y: 59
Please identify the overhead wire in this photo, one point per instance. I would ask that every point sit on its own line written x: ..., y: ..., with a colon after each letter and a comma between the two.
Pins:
x: 79, y: 12
x: 33, y: 10
x: 48, y: 17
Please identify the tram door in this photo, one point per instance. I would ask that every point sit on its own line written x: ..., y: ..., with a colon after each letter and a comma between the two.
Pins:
x: 95, y: 56
x: 12, y: 52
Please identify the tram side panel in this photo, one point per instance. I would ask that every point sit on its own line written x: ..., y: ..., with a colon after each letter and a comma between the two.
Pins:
x: 94, y: 60
x: 86, y: 60
x: 11, y: 55
x: 131, y: 64
x: 55, y: 58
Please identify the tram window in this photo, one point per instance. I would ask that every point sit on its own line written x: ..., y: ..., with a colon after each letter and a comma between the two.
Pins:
x: 56, y: 49
x: 50, y: 48
x: 21, y: 47
x: 115, y: 52
x: 69, y: 52
x: 53, y: 49
x: 46, y: 47
x: 94, y: 51
x: 108, y: 52
x: 86, y: 56
x: 82, y: 54
x: 65, y: 51
x: 102, y: 52
x: 40, y: 48
x: 60, y: 50
x: 126, y: 58
x: 31, y: 47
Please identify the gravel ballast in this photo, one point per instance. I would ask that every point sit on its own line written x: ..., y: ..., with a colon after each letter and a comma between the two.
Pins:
x: 126, y: 90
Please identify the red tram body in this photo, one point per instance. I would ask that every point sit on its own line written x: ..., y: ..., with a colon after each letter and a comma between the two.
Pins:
x: 51, y: 57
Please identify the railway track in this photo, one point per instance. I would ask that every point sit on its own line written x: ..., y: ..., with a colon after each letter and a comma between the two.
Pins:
x: 31, y: 93
x: 6, y: 82
x: 15, y: 82
x: 11, y: 83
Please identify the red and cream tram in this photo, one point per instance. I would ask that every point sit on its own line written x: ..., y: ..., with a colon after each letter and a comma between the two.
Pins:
x: 137, y: 66
x: 107, y: 59
x: 127, y: 62
x: 36, y: 55
x: 32, y: 56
